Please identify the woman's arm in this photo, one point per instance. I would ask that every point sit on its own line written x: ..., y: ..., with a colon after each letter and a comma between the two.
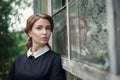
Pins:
x: 12, y: 72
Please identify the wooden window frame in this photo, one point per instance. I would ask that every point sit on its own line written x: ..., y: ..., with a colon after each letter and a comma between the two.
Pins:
x: 87, y: 72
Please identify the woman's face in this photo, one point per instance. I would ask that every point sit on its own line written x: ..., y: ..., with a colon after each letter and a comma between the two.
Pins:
x: 40, y: 32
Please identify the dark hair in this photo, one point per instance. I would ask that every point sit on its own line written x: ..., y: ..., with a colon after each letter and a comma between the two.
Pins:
x: 30, y: 22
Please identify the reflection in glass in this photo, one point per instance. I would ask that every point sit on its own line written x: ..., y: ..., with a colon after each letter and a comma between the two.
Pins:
x: 60, y: 33
x: 70, y: 0
x: 74, y: 31
x: 88, y: 33
x: 57, y: 4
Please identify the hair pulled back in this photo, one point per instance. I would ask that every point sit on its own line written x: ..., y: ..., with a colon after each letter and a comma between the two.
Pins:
x: 30, y: 22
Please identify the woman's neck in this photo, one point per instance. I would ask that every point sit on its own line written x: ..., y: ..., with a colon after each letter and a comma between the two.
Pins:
x: 36, y: 48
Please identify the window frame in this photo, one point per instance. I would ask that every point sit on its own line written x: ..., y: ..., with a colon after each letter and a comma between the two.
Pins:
x: 114, y: 35
x: 87, y: 72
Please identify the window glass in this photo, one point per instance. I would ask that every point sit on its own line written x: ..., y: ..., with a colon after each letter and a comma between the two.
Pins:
x: 89, y: 32
x: 57, y: 4
x: 70, y: 1
x: 60, y: 33
x: 74, y: 31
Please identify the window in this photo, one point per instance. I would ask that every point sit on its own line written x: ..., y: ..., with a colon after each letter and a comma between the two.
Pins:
x: 60, y: 30
x: 57, y: 4
x: 94, y: 34
x: 60, y: 33
x: 75, y: 41
x: 81, y: 36
x: 88, y: 33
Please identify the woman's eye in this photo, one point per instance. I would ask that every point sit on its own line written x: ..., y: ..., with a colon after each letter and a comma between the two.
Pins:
x: 38, y: 28
x: 48, y: 28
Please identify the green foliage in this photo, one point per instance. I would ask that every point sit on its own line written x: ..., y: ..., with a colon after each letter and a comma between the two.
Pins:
x: 11, y: 43
x: 20, y: 41
x: 6, y: 40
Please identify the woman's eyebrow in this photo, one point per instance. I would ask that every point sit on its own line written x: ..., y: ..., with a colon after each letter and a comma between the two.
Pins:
x: 42, y: 25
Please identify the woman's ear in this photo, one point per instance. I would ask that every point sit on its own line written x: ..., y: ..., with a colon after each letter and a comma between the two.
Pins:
x: 29, y: 34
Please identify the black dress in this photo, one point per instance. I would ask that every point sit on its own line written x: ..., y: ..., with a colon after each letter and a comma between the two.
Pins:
x: 45, y: 67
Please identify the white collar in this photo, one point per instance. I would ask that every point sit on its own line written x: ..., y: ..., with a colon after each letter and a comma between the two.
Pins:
x: 38, y: 52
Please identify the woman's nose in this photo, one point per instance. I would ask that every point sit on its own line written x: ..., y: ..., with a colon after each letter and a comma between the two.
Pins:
x: 44, y: 31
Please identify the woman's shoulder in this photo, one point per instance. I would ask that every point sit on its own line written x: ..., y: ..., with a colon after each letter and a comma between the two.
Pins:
x: 53, y: 53
x: 20, y: 57
x: 53, y: 57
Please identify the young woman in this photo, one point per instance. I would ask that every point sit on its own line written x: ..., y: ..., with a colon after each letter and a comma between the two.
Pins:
x: 39, y: 62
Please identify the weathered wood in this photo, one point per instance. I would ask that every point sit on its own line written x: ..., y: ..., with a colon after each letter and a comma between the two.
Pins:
x: 87, y: 72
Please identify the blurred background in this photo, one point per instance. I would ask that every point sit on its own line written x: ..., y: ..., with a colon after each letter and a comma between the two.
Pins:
x: 13, y: 15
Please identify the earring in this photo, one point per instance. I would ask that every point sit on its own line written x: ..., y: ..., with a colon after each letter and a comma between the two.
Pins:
x: 30, y: 36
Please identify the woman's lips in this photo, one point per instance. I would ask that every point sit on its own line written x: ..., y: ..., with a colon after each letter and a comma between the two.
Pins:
x: 44, y: 38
